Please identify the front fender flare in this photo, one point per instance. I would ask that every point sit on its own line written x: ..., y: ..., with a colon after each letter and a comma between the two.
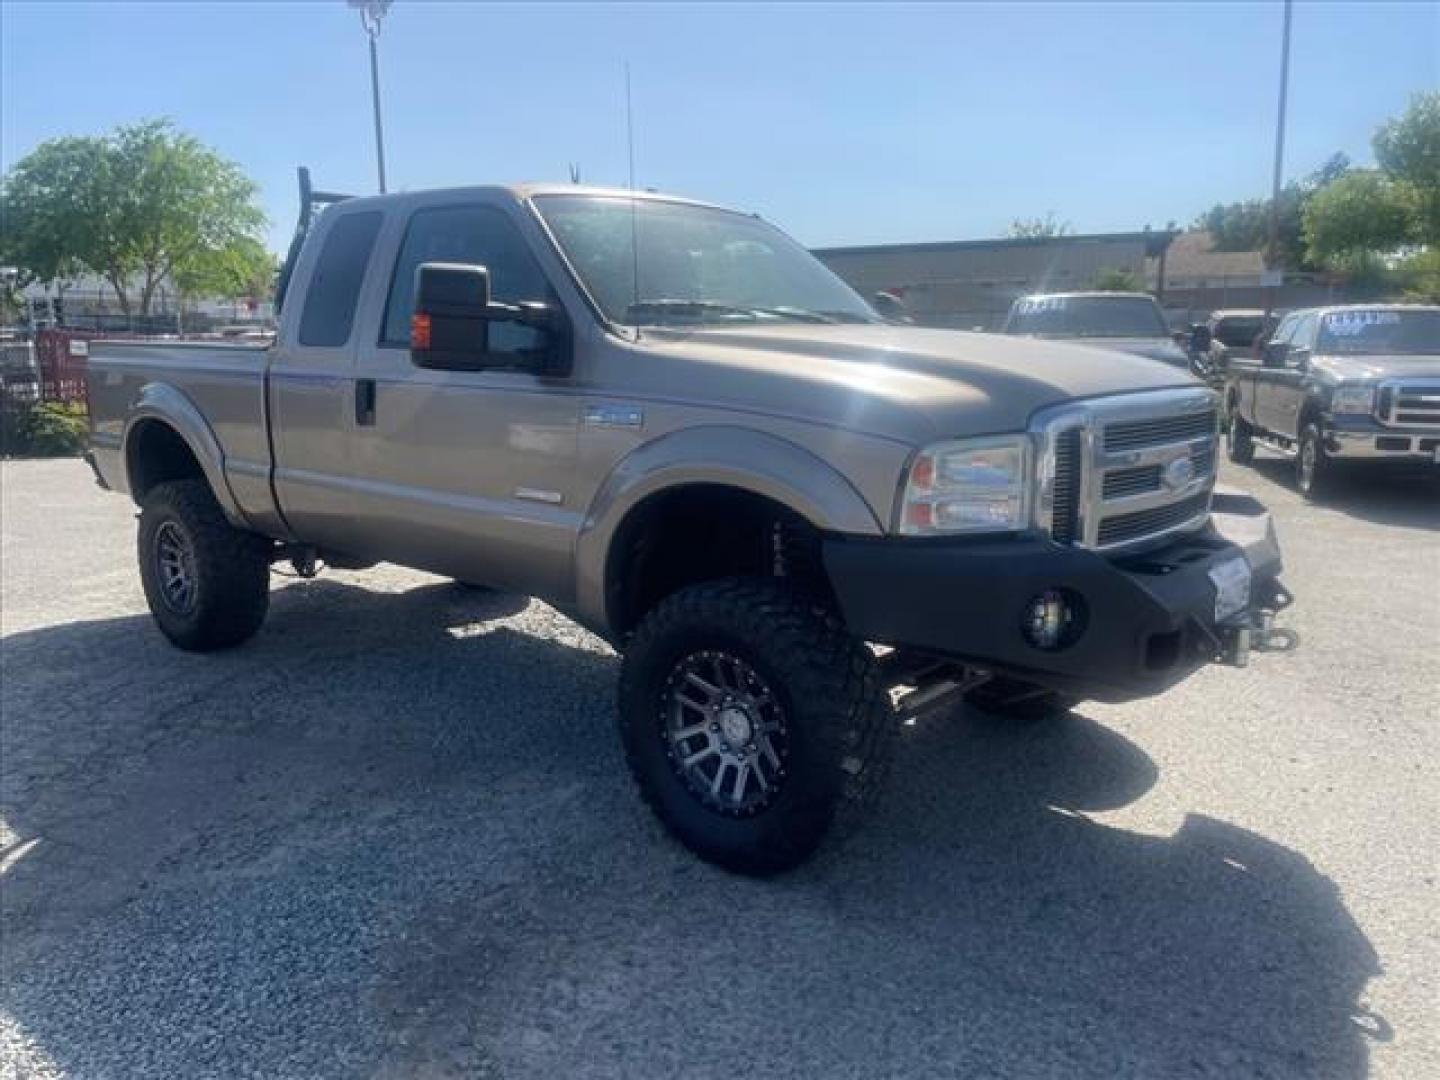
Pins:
x: 716, y: 454
x: 164, y: 403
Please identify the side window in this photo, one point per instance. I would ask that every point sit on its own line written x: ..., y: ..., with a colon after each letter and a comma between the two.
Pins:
x: 479, y: 235
x: 1285, y: 329
x: 1304, y: 334
x: 335, y: 286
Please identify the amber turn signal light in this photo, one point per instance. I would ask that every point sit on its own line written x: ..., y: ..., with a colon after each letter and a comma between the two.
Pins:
x: 419, y: 331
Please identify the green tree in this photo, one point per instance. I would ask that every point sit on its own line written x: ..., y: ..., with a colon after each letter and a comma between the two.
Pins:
x: 242, y: 270
x: 141, y: 205
x: 1408, y: 150
x: 1118, y: 279
x: 1038, y: 228
x: 1245, y: 225
x: 1362, y: 212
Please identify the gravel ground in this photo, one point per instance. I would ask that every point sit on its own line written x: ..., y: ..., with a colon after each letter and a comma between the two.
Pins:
x: 393, y: 837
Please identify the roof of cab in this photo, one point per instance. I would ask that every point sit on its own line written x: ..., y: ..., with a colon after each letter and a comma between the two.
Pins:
x: 1328, y: 309
x: 1093, y: 293
x: 526, y: 191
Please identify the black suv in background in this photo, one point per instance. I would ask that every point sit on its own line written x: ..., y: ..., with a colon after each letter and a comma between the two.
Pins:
x: 1341, y: 384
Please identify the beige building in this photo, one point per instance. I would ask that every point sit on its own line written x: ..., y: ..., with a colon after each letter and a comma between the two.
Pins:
x: 971, y: 283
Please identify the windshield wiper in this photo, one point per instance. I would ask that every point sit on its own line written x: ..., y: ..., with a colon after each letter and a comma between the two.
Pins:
x: 699, y: 308
x: 667, y: 305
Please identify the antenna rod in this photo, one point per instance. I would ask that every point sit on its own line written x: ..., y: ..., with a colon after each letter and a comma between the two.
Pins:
x: 629, y: 125
x: 634, y: 224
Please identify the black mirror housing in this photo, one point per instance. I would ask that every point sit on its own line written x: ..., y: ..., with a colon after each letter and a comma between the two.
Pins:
x: 1274, y: 353
x: 1200, y: 338
x: 452, y: 324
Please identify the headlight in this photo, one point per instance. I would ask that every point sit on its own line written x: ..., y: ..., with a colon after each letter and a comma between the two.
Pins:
x: 967, y: 486
x: 1353, y: 399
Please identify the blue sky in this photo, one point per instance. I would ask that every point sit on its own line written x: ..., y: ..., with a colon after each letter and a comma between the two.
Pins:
x: 843, y: 123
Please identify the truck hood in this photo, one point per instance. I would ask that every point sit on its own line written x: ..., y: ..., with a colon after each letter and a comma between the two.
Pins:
x: 1390, y: 366
x: 899, y: 381
x: 1152, y: 348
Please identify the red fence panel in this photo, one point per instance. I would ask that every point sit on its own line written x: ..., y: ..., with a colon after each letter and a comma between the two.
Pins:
x: 61, y: 356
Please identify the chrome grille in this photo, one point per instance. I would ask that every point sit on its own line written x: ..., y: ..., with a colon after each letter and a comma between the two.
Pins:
x: 1124, y: 482
x: 1204, y: 460
x: 1122, y: 470
x: 1123, y: 528
x: 1168, y: 429
x: 1064, y: 514
x: 1411, y: 403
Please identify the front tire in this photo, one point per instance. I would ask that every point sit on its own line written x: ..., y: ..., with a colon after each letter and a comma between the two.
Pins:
x: 207, y: 582
x: 747, y: 714
x: 1314, y: 471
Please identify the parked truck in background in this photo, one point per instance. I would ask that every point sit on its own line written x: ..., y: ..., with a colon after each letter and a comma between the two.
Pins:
x: 1341, y: 386
x: 1122, y: 321
x: 671, y: 422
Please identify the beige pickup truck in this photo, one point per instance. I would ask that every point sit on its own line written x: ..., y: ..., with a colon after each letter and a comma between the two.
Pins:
x: 672, y: 423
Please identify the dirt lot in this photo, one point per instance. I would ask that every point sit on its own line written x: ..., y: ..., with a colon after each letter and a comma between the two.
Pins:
x: 393, y: 837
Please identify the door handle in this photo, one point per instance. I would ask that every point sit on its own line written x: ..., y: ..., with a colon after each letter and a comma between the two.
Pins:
x: 365, y: 402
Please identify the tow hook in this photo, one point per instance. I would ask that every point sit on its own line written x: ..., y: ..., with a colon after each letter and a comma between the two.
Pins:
x: 1265, y: 636
x: 1259, y: 634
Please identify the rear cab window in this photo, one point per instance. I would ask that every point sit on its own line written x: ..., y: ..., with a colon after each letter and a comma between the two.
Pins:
x: 334, y: 289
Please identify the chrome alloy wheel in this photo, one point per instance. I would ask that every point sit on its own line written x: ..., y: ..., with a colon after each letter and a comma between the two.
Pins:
x: 175, y: 562
x: 725, y: 732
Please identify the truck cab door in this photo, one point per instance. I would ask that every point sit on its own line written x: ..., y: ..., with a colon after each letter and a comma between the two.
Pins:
x: 1283, y: 394
x: 468, y: 473
x: 309, y: 383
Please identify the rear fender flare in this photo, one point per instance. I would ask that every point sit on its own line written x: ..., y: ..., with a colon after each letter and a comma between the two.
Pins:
x: 162, y: 402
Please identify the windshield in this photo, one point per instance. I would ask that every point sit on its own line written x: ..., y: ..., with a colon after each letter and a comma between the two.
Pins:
x: 1238, y: 332
x: 695, y: 264
x: 1087, y: 316
x: 1378, y: 330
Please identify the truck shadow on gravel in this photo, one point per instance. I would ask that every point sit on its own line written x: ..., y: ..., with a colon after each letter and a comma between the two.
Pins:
x: 393, y: 836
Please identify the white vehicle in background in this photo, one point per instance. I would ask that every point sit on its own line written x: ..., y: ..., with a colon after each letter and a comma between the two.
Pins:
x: 1124, y: 321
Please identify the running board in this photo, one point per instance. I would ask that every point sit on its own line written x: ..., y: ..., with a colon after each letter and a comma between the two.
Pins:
x: 1288, y: 449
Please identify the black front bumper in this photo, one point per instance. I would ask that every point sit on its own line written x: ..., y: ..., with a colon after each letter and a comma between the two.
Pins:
x: 1148, y: 620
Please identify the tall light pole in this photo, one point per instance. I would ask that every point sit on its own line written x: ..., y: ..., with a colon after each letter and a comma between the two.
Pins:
x: 371, y: 12
x: 1273, y: 247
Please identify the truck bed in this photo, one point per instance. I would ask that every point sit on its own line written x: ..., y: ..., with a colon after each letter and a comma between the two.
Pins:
x: 222, y: 390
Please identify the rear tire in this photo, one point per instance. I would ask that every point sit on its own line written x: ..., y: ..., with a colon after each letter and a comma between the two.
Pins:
x: 760, y: 679
x: 207, y: 582
x: 1239, y: 438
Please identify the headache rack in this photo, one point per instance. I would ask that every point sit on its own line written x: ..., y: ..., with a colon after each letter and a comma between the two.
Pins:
x: 311, y: 203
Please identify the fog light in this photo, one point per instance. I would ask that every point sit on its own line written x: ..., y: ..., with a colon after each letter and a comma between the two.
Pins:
x: 1053, y: 619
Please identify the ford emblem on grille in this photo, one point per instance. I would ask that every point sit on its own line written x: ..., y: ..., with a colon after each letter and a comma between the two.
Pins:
x: 1178, y: 473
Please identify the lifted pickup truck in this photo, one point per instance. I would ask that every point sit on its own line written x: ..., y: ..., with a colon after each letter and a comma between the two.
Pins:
x: 671, y: 422
x: 1343, y: 385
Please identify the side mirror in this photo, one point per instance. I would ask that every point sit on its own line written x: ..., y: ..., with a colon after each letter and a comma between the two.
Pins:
x: 1274, y: 353
x: 1200, y: 338
x: 453, y: 324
